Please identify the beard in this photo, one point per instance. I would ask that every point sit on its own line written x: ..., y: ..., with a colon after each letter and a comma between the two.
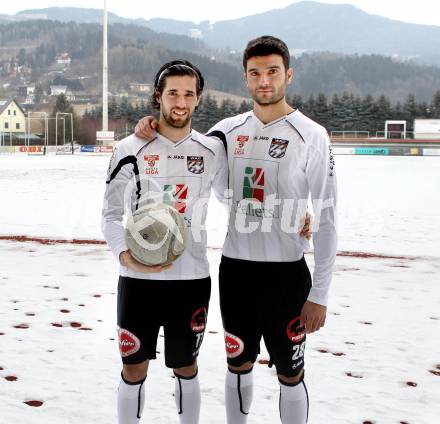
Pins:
x: 275, y: 97
x: 176, y: 123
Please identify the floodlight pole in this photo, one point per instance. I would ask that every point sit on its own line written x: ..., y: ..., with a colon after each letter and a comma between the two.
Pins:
x: 105, y: 72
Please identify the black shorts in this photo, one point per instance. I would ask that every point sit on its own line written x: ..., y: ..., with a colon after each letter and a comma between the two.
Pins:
x: 264, y: 299
x: 180, y: 306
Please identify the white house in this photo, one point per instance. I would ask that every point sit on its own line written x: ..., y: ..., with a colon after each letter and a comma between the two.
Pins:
x: 64, y: 59
x: 12, y: 117
x: 56, y: 90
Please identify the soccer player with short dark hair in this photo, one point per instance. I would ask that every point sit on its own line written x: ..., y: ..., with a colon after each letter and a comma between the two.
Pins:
x: 279, y: 157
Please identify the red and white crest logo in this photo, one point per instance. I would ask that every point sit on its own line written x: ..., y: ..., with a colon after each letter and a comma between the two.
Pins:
x: 242, y: 140
x: 198, y: 320
x: 234, y: 345
x: 128, y: 343
x: 294, y: 331
x: 151, y: 160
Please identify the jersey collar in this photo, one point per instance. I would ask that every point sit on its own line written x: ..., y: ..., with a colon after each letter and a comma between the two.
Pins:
x: 163, y: 139
x: 274, y: 122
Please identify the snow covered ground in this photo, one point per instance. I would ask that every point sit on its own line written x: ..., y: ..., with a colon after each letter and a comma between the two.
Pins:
x: 386, y: 204
x: 377, y: 360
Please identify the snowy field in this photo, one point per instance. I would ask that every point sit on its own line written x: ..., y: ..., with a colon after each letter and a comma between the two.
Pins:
x: 376, y: 361
x: 386, y: 204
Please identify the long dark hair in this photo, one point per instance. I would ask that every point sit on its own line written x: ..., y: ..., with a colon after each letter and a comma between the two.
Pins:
x: 175, y: 68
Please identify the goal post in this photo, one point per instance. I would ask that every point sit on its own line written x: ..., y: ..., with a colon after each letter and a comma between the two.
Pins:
x: 64, y: 149
x: 30, y: 146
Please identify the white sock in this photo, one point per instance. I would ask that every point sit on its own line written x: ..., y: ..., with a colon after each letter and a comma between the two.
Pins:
x: 187, y: 397
x: 238, y: 396
x: 131, y: 399
x: 294, y: 403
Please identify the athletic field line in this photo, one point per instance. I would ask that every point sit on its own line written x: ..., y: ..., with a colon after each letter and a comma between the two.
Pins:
x: 80, y: 241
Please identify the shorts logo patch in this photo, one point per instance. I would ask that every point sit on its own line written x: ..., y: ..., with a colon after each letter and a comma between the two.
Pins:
x: 198, y: 320
x: 234, y: 345
x: 195, y: 164
x: 293, y: 330
x: 278, y: 148
x: 128, y: 343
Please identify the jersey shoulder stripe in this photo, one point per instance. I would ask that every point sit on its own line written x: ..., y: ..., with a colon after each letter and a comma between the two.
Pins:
x: 221, y: 136
x: 230, y: 124
x: 208, y: 143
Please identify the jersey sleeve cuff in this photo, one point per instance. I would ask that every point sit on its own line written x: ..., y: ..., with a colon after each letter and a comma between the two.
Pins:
x: 318, y: 295
x: 117, y: 250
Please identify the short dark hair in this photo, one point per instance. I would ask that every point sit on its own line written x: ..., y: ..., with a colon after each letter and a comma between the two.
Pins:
x: 264, y: 46
x: 175, y: 68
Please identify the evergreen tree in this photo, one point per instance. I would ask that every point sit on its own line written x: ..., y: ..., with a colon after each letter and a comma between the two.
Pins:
x: 337, y: 114
x: 410, y: 111
x: 112, y: 106
x: 21, y: 58
x: 435, y: 105
x: 366, y: 114
x: 63, y: 105
x: 347, y: 118
x: 38, y: 93
x: 245, y: 106
x: 383, y: 112
x: 227, y: 109
x: 124, y: 107
x: 296, y: 102
x: 422, y: 110
x: 322, y: 114
x: 309, y: 107
x: 206, y: 115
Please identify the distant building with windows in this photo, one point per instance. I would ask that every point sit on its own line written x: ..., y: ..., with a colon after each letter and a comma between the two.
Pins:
x: 140, y: 88
x: 63, y: 59
x: 26, y: 90
x: 12, y: 117
x: 56, y: 90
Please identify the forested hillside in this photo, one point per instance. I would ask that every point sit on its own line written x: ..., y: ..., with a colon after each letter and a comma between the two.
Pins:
x: 137, y: 52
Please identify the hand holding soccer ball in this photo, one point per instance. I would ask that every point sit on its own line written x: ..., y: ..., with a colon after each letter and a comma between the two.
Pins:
x: 127, y: 259
x: 155, y: 236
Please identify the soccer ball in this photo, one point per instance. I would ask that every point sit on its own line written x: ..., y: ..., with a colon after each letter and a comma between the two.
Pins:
x: 155, y: 234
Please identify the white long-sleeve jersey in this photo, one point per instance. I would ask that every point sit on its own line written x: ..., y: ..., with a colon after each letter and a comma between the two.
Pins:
x: 273, y: 169
x: 181, y: 174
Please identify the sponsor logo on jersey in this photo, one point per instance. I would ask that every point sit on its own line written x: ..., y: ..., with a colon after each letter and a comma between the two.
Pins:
x: 293, y: 330
x: 151, y: 164
x: 198, y: 320
x: 176, y: 196
x: 261, y: 138
x: 176, y: 157
x: 195, y: 164
x: 252, y: 203
x: 234, y: 345
x: 241, y: 142
x: 331, y: 161
x: 278, y: 148
x: 128, y: 343
x: 253, y: 184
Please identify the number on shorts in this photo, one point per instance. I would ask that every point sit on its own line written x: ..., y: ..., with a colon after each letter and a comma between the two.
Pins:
x: 298, y: 351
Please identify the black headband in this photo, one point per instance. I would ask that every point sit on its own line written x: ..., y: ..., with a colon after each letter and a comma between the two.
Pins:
x: 174, y: 65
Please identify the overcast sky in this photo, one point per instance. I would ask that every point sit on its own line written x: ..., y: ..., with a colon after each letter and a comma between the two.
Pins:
x: 420, y: 11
